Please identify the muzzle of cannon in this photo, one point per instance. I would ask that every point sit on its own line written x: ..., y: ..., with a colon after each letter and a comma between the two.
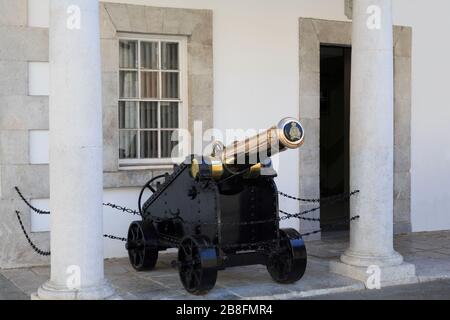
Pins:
x: 251, y: 154
x: 221, y: 211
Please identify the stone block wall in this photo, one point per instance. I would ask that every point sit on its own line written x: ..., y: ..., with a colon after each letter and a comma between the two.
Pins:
x: 20, y: 112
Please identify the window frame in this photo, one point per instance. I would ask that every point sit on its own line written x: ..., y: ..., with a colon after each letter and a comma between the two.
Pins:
x: 183, y: 102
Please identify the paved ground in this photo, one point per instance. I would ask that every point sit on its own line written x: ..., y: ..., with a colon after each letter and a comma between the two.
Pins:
x: 8, y: 291
x: 436, y: 290
x: 430, y: 252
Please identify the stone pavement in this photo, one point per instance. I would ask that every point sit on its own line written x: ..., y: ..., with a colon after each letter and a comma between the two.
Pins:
x: 435, y: 290
x: 8, y: 291
x: 430, y: 252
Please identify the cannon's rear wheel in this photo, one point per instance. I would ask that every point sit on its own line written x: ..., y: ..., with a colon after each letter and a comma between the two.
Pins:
x: 142, y: 245
x: 289, y: 264
x: 197, y: 263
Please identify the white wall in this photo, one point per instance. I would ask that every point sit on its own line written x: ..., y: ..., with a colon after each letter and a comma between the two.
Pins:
x: 116, y: 222
x: 39, y: 146
x: 430, y: 192
x: 38, y: 78
x: 256, y: 84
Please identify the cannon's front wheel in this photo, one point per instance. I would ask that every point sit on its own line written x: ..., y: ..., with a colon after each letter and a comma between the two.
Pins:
x: 197, y: 263
x: 288, y: 265
x: 142, y: 245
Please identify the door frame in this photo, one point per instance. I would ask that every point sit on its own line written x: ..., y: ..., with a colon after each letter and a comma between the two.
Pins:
x: 312, y: 34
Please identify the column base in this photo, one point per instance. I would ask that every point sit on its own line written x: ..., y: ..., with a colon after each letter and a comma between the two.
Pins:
x: 50, y: 291
x: 403, y: 273
x: 364, y: 260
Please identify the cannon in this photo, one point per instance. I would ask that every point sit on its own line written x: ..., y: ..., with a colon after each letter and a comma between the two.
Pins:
x: 221, y: 211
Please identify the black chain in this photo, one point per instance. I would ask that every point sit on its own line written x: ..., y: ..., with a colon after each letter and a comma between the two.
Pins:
x: 35, y: 248
x: 299, y: 215
x: 115, y: 238
x: 338, y: 197
x: 48, y: 253
x: 176, y: 242
x: 123, y: 209
x: 328, y: 202
x: 287, y: 215
x: 311, y: 233
x: 38, y: 211
x: 42, y: 212
x: 171, y: 240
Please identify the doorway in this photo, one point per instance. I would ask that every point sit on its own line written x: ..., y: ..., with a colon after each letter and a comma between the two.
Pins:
x: 335, y: 72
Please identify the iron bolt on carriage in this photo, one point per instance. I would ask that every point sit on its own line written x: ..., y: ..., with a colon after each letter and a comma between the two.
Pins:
x: 221, y: 211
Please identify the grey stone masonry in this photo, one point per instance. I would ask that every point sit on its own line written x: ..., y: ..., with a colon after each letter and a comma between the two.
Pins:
x: 312, y: 34
x: 348, y: 9
x: 20, y: 113
x: 402, y: 129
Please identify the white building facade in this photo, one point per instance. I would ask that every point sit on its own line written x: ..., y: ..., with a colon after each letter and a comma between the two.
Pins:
x: 229, y: 65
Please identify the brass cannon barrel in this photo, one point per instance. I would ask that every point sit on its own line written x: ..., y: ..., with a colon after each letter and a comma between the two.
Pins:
x: 288, y: 134
x: 250, y: 153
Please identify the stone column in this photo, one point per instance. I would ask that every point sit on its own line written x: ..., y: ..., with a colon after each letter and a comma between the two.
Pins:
x: 371, y: 147
x: 76, y: 174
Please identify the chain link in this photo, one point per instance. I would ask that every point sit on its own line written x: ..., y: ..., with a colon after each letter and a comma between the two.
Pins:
x: 48, y: 253
x: 287, y: 215
x: 176, y: 242
x: 38, y: 211
x: 338, y: 197
x: 172, y: 240
x: 123, y: 209
x: 42, y: 212
x: 108, y: 236
x: 311, y: 233
x: 33, y: 246
x: 329, y: 201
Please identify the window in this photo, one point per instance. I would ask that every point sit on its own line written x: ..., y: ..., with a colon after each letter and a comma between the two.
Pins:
x: 151, y: 99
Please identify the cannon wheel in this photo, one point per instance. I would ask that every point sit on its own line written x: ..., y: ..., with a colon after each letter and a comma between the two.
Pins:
x: 142, y: 245
x: 289, y: 264
x: 197, y: 263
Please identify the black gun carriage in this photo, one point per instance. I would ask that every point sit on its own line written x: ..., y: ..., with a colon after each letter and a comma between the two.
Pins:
x: 221, y: 211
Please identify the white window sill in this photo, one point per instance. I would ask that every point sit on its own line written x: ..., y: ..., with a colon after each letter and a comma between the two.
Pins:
x: 133, y: 167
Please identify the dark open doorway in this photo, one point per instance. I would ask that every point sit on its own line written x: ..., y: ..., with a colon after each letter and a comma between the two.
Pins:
x: 335, y: 71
